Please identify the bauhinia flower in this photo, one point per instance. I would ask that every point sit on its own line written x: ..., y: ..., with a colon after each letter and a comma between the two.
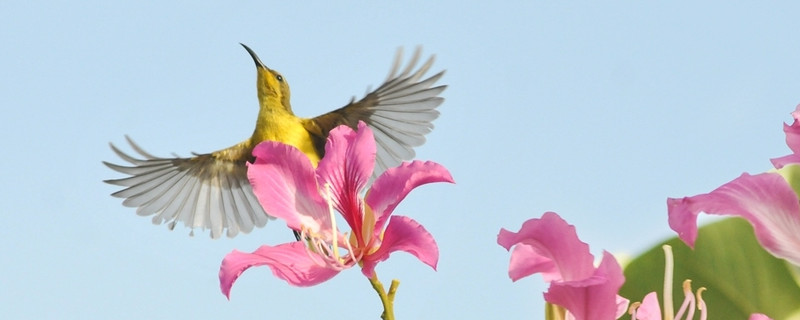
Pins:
x: 551, y: 247
x: 769, y: 201
x: 580, y: 290
x: 649, y: 308
x: 289, y: 187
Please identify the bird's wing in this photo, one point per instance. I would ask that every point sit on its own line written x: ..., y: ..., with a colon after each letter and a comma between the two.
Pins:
x: 208, y: 191
x: 400, y: 112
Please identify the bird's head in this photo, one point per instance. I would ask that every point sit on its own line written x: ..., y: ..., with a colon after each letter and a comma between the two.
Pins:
x: 273, y: 89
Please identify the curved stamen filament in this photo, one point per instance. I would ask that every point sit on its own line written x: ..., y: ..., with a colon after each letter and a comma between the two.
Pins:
x: 688, y: 301
x: 314, y: 250
x: 633, y: 308
x: 701, y: 304
x: 334, y: 231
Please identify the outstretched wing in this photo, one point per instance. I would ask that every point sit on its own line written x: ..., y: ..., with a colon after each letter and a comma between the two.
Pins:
x: 208, y: 191
x: 400, y: 112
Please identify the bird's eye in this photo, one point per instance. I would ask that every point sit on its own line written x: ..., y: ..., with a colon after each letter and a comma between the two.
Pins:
x: 279, y: 77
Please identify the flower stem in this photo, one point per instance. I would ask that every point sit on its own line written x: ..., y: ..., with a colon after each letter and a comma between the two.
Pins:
x: 386, y: 299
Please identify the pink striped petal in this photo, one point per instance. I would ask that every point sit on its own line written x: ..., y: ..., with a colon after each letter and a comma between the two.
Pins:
x: 594, y: 297
x: 393, y: 185
x: 759, y: 316
x: 288, y: 261
x: 284, y: 182
x: 403, y: 234
x: 549, y: 246
x: 348, y: 163
x: 766, y: 200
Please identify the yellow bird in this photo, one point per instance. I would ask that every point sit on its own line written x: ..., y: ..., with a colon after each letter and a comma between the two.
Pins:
x: 211, y: 191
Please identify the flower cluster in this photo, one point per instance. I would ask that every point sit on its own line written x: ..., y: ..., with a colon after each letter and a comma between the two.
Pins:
x: 551, y: 247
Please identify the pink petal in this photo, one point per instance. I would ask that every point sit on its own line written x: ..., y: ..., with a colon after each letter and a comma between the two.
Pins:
x: 288, y: 261
x: 766, y: 200
x: 347, y: 165
x: 785, y: 160
x: 284, y: 182
x: 549, y: 246
x: 650, y: 309
x: 395, y: 183
x: 759, y: 316
x: 622, y: 306
x: 792, y: 140
x: 526, y: 260
x: 403, y: 234
x: 793, y: 131
x: 591, y: 298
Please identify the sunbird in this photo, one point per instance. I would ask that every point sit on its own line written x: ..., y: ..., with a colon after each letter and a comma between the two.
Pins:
x: 211, y: 191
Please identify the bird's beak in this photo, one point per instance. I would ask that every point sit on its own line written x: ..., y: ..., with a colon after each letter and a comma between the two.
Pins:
x: 258, y: 62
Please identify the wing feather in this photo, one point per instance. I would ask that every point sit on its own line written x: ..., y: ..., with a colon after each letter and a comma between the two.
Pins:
x: 400, y: 112
x: 205, y: 191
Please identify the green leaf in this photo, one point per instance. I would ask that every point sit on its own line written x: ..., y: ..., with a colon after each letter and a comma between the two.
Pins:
x: 791, y: 173
x: 741, y: 277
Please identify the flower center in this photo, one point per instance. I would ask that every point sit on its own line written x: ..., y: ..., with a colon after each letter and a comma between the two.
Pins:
x: 690, y: 301
x: 324, y: 249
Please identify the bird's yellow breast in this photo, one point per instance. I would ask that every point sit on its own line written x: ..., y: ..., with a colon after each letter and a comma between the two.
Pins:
x: 288, y: 129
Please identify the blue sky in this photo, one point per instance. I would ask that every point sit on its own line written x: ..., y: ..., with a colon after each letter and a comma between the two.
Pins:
x: 596, y: 111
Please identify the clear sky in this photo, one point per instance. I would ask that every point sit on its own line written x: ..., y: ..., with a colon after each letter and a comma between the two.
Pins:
x: 597, y: 112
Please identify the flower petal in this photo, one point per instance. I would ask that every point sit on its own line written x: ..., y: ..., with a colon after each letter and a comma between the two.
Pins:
x: 792, y: 140
x: 548, y: 246
x: 622, y: 306
x: 766, y: 200
x: 590, y: 298
x: 284, y: 182
x: 403, y: 234
x: 288, y: 261
x: 785, y: 160
x: 793, y: 131
x: 649, y: 310
x: 395, y: 183
x: 759, y: 316
x: 347, y: 165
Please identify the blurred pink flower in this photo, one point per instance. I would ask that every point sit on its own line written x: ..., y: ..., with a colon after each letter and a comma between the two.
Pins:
x: 290, y: 188
x: 766, y: 200
x: 649, y: 309
x: 551, y: 247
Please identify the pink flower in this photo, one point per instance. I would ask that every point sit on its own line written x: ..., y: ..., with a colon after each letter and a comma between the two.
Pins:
x: 551, y: 247
x: 766, y: 200
x: 290, y: 188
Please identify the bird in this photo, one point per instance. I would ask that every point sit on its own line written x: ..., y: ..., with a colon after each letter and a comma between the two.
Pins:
x: 211, y: 191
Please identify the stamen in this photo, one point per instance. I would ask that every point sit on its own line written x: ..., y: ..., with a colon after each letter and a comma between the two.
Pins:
x: 632, y: 309
x: 334, y: 231
x: 668, y: 273
x: 688, y: 301
x: 350, y: 250
x: 701, y: 304
x: 313, y: 247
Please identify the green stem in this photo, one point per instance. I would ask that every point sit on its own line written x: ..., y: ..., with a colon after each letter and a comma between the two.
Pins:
x: 386, y: 299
